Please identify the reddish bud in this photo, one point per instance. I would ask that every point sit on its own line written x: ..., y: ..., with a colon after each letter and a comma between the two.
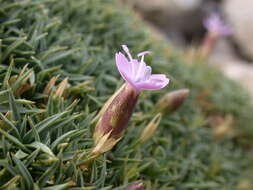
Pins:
x: 171, y: 101
x: 114, y: 119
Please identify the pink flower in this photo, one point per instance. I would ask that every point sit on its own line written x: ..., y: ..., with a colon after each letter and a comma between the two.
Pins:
x: 137, y: 74
x: 216, y: 25
x: 117, y: 111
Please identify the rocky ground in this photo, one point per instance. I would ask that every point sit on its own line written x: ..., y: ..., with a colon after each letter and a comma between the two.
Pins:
x: 182, y: 22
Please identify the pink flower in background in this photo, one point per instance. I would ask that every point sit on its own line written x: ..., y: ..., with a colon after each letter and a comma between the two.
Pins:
x: 136, y: 73
x: 214, y: 24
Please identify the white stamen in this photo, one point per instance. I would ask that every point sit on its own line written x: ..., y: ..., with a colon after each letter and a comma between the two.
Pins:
x: 125, y: 48
x: 143, y: 70
x: 140, y: 69
x: 142, y: 59
x: 144, y: 53
x: 148, y: 71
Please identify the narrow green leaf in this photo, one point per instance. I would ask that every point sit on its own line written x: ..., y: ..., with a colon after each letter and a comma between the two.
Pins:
x: 13, y: 182
x: 1, y: 55
x: 34, y: 129
x: 43, y: 147
x: 13, y: 46
x: 4, y: 92
x: 14, y: 107
x: 64, y: 137
x: 61, y: 124
x: 60, y: 55
x: 53, y: 50
x: 5, y: 109
x: 37, y: 62
x: 24, y: 173
x: 11, y: 125
x: 20, y: 154
x: 57, y: 187
x: 10, y: 22
x: 4, y: 146
x: 101, y: 181
x: 50, y: 121
x: 14, y: 140
x: 48, y: 174
x: 23, y: 126
x: 31, y: 157
x: 46, y: 123
x: 44, y: 72
x: 82, y: 188
x: 8, y: 74
x: 8, y: 166
x: 106, y: 188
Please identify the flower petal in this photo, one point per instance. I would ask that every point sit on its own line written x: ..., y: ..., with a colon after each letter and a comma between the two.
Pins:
x: 129, y: 81
x: 137, y: 74
x: 215, y: 24
x: 158, y: 77
x: 123, y: 64
x: 226, y: 31
x: 155, y: 82
x: 134, y: 68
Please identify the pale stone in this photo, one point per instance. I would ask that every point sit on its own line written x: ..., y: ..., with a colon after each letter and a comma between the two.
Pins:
x: 239, y: 14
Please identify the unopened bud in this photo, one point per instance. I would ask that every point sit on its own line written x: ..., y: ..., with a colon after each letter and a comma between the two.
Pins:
x: 13, y: 79
x: 114, y: 119
x: 171, y: 101
x: 151, y: 128
x: 50, y: 85
x: 135, y: 186
x: 61, y: 88
x: 224, y: 128
x: 23, y: 89
x: 107, y: 103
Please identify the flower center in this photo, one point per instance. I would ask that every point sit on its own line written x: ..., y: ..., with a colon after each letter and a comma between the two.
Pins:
x: 143, y: 73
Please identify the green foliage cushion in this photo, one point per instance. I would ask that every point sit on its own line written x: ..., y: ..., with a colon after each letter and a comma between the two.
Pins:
x: 45, y: 138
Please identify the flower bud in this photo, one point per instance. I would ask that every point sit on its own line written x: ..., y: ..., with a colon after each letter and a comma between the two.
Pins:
x: 135, y: 186
x: 224, y: 128
x: 114, y: 119
x: 151, y: 128
x: 107, y: 103
x: 61, y: 89
x: 50, y: 85
x: 171, y: 101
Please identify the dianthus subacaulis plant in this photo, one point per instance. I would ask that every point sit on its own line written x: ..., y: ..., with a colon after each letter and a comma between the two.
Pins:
x: 119, y: 108
x: 56, y: 72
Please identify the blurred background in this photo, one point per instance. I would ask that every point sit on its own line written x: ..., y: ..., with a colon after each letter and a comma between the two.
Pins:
x: 182, y: 22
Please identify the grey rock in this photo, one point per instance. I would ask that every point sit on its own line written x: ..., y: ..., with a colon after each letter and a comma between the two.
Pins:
x: 232, y: 66
x: 239, y: 13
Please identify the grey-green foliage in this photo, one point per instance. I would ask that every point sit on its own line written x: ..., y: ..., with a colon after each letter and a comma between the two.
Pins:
x: 44, y: 138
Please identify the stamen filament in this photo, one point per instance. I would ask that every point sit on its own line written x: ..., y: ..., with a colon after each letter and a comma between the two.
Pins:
x: 125, y: 48
x: 140, y: 69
